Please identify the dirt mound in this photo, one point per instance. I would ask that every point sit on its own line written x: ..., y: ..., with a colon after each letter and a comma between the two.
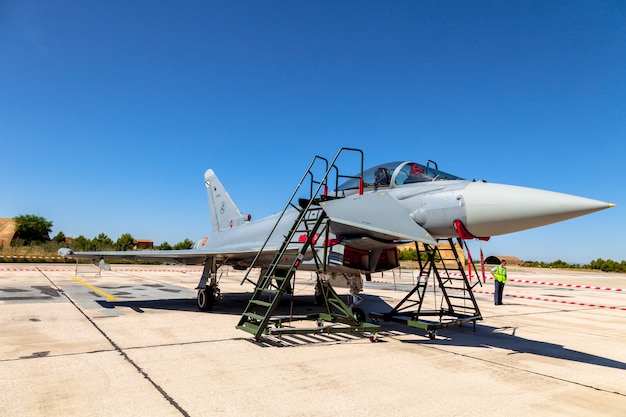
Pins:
x: 7, y: 230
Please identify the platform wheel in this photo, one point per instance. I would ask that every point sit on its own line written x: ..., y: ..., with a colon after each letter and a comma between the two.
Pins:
x: 359, y: 314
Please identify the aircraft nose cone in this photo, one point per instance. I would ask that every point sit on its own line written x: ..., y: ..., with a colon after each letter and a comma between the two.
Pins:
x: 496, y: 209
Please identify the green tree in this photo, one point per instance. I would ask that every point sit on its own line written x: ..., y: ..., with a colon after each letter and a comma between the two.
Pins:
x: 560, y: 264
x: 59, y: 238
x: 102, y: 242
x: 164, y: 246
x: 185, y: 244
x: 81, y: 244
x: 31, y: 228
x: 408, y: 255
x: 608, y: 266
x: 125, y: 242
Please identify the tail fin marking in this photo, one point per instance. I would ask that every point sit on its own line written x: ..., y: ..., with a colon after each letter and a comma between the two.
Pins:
x: 224, y: 213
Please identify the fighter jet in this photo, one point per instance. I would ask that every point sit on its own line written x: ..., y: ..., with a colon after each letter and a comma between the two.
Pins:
x: 370, y: 214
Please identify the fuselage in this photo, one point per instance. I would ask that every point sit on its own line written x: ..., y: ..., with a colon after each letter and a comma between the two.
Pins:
x: 436, y: 200
x: 443, y: 204
x: 365, y: 219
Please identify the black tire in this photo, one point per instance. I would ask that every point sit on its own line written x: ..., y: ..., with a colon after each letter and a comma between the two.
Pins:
x: 319, y: 296
x: 205, y: 299
x: 359, y: 314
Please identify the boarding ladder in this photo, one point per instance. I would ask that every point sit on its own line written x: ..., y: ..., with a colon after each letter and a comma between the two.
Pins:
x: 307, y: 237
x: 452, y: 300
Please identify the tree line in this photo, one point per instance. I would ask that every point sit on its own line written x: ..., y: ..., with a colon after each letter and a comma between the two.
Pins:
x: 33, y: 230
x: 102, y: 242
x: 608, y: 265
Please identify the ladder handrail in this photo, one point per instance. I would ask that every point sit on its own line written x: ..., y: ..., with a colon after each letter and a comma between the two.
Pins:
x: 265, y: 282
x: 360, y: 176
x: 321, y: 183
x: 276, y: 277
x: 289, y: 203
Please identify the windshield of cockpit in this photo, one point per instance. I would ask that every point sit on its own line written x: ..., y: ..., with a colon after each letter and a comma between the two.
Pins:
x: 393, y: 174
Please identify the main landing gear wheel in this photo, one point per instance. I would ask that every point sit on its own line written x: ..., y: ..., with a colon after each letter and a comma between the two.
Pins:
x: 206, y: 298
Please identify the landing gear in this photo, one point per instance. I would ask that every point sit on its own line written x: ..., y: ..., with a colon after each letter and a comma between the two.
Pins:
x: 208, y: 291
x: 206, y: 299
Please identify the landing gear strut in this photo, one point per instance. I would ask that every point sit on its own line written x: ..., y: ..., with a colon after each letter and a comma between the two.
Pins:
x: 208, y: 291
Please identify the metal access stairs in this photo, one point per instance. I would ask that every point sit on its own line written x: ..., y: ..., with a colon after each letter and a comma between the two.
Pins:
x: 277, y: 279
x: 452, y: 300
x: 306, y: 238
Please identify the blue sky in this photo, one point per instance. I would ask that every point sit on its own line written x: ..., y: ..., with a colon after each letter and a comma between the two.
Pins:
x: 110, y: 112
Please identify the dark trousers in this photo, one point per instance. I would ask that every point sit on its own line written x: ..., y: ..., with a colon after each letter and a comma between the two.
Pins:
x: 499, y: 291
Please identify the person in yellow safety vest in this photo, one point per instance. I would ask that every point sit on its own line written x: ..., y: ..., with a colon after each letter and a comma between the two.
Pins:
x: 499, y: 278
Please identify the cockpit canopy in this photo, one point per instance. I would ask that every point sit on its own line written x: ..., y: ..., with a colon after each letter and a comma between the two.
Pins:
x: 394, y: 174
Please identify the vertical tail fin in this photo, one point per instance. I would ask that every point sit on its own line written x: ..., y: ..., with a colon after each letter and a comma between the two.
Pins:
x: 224, y: 213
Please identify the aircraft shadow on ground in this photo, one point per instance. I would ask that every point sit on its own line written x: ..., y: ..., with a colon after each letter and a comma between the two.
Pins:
x: 231, y: 303
x: 171, y: 304
x: 494, y: 337
x: 484, y: 336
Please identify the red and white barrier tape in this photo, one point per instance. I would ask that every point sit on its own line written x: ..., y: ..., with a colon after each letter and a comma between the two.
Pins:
x: 553, y: 284
x: 551, y: 300
x: 556, y: 284
x: 115, y: 269
x: 29, y: 257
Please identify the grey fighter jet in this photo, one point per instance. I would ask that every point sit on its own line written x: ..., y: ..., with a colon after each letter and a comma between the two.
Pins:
x: 370, y: 214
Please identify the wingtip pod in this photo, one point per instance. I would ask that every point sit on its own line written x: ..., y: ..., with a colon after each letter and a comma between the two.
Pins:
x: 496, y: 209
x: 65, y: 252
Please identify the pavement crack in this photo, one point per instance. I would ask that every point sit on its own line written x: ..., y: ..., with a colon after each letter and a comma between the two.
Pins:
x: 118, y: 349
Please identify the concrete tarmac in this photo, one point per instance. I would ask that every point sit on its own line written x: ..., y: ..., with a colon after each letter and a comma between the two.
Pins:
x: 131, y: 342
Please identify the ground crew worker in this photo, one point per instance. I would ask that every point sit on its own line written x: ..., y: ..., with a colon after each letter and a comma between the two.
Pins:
x: 499, y: 278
